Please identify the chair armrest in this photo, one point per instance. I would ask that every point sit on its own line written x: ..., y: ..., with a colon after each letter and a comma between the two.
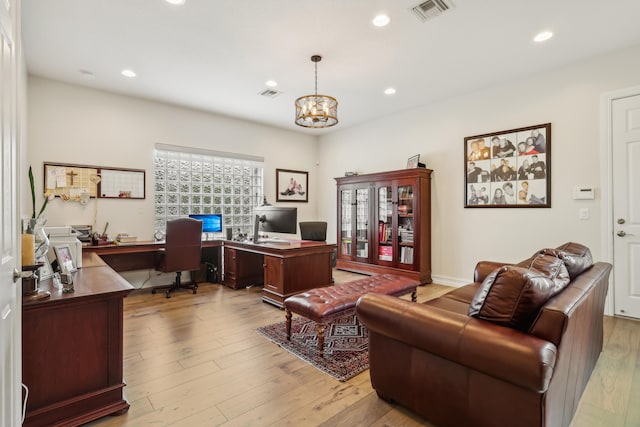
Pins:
x: 500, y: 352
x: 484, y: 268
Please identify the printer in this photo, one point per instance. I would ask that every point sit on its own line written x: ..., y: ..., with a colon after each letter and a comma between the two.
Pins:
x: 66, y: 235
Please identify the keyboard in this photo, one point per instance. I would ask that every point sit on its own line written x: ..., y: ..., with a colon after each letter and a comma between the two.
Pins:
x: 273, y: 240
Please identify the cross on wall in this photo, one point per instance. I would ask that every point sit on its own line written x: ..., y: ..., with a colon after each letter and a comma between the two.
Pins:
x: 71, y: 175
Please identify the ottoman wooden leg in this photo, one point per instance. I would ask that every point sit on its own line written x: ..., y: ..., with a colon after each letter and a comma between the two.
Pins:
x: 321, y: 328
x: 287, y: 315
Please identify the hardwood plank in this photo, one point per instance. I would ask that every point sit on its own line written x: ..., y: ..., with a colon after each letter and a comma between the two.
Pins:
x: 196, y: 360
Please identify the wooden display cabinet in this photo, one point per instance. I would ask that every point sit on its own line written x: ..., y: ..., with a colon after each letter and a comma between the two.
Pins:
x: 384, y: 223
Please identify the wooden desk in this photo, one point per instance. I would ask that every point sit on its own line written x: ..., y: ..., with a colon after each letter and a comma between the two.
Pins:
x: 286, y: 269
x: 72, y: 349
x: 142, y: 255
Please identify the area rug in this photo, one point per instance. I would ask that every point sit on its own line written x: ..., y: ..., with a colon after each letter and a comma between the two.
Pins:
x: 345, y: 345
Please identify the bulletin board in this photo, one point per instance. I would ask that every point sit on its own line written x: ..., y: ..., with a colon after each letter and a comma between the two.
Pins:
x: 70, y: 181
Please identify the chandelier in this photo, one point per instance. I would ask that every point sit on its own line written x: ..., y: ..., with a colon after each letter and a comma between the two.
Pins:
x: 316, y: 111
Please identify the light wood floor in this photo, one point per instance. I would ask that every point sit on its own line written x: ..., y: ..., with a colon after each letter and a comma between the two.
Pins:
x: 196, y: 360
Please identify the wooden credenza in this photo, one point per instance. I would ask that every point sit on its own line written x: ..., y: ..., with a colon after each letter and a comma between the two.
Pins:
x: 72, y: 349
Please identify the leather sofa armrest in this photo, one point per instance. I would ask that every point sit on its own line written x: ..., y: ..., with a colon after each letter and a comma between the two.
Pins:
x: 484, y: 268
x: 494, y: 350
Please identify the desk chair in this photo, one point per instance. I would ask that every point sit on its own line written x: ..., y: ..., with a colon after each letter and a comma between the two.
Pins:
x: 313, y: 230
x: 182, y: 251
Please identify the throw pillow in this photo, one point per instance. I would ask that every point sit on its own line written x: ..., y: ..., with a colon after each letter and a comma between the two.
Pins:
x: 551, y: 266
x: 576, y: 257
x: 512, y: 296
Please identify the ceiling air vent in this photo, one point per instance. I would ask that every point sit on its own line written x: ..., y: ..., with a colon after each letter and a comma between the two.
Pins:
x: 431, y: 8
x: 269, y: 93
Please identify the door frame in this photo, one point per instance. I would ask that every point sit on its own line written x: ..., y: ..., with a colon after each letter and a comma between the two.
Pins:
x: 606, y: 182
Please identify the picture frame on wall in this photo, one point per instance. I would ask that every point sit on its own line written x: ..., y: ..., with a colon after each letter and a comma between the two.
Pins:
x: 292, y: 186
x: 508, y: 169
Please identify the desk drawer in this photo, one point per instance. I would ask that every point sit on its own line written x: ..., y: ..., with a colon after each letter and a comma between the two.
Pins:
x: 242, y: 268
x: 273, y: 277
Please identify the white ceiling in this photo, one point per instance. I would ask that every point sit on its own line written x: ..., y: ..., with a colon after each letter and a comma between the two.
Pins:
x: 215, y: 55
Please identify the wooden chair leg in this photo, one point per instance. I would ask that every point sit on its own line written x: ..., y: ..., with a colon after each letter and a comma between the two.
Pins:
x: 288, y: 316
x: 321, y: 328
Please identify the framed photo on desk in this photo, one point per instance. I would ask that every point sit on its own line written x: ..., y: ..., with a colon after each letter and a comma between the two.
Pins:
x: 64, y: 258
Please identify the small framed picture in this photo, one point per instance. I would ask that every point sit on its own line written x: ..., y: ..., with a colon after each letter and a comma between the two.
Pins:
x: 45, y: 272
x: 64, y: 258
x: 413, y: 161
x: 292, y: 186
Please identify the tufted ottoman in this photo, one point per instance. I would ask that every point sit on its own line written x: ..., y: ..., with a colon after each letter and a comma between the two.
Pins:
x: 323, y: 305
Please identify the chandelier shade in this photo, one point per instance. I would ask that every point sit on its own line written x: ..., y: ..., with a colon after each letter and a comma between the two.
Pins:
x: 316, y: 111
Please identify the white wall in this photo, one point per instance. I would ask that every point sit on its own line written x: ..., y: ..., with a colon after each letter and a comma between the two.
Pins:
x: 569, y: 98
x: 74, y: 124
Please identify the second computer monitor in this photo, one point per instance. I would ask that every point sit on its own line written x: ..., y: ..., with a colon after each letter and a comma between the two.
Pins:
x: 277, y: 219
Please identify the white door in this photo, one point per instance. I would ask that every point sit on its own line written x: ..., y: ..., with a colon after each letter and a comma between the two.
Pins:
x: 10, y: 322
x: 625, y: 128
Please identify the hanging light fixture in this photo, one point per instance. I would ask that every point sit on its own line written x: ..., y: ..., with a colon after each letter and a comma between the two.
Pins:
x: 316, y: 111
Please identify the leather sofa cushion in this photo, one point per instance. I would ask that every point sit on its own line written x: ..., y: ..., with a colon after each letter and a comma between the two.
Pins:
x: 551, y: 266
x: 512, y: 296
x: 576, y: 257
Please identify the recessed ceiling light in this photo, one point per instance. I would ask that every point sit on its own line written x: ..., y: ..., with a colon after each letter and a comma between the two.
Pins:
x: 177, y: 2
x: 87, y: 74
x: 389, y: 91
x: 381, y: 20
x: 271, y: 83
x: 128, y: 73
x: 545, y: 35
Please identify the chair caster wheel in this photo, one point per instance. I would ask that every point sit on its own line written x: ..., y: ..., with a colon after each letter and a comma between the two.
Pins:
x: 168, y: 295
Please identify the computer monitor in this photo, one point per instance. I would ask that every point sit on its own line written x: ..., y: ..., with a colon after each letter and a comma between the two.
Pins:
x: 276, y: 219
x: 211, y: 223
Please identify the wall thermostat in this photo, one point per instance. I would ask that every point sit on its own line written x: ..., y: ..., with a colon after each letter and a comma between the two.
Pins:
x: 584, y: 193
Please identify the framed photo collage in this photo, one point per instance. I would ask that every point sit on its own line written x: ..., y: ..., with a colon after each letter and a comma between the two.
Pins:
x: 510, y: 168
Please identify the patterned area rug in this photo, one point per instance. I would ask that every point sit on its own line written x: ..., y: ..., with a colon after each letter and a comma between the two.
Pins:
x: 345, y: 345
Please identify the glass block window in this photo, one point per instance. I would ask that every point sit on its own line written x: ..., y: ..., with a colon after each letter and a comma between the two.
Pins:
x: 200, y: 183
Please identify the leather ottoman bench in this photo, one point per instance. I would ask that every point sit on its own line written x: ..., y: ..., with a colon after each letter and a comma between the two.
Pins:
x: 323, y: 305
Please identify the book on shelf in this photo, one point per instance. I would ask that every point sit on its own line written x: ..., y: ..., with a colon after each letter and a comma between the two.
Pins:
x: 406, y: 255
x: 346, y: 247
x: 385, y: 253
x: 382, y: 232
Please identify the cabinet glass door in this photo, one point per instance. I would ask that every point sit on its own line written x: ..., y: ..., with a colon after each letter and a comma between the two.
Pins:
x: 346, y: 222
x: 405, y: 224
x: 385, y: 224
x: 362, y: 223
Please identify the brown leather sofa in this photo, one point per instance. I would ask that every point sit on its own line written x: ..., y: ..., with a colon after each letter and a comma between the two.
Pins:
x: 514, y: 348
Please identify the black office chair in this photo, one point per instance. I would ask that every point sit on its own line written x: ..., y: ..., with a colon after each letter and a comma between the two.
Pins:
x: 313, y: 230
x: 182, y: 252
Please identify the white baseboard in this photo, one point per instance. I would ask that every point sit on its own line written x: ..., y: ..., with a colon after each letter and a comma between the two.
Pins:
x: 450, y: 281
